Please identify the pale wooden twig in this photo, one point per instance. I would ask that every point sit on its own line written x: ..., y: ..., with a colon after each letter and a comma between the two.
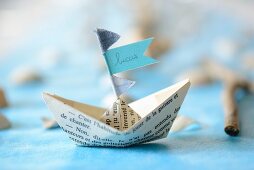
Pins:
x: 49, y: 123
x: 231, y: 121
x: 4, y: 122
x: 232, y: 82
x: 147, y: 25
x: 3, y: 100
x: 220, y: 72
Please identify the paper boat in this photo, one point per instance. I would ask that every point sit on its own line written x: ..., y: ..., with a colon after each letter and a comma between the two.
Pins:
x: 81, y: 121
x: 124, y: 124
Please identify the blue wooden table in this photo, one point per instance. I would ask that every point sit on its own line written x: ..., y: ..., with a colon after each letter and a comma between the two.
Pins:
x: 27, y: 145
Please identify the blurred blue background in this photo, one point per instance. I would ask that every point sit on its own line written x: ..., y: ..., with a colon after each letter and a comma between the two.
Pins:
x: 50, y: 46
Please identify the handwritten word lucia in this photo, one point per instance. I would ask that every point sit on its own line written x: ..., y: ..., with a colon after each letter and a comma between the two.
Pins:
x: 121, y: 60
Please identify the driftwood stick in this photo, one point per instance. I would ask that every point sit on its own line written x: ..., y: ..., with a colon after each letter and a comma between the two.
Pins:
x: 147, y: 24
x: 3, y: 100
x: 231, y: 111
x: 49, y: 123
x: 221, y: 73
x: 232, y: 82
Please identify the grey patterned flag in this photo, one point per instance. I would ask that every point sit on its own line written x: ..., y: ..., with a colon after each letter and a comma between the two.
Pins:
x: 106, y: 38
x: 121, y: 85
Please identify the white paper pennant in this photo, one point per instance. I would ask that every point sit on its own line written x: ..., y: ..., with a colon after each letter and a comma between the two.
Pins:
x: 121, y: 85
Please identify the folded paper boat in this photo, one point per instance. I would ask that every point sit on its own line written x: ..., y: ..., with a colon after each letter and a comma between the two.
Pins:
x: 87, y: 125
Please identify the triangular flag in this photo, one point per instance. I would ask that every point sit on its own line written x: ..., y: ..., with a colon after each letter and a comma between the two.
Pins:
x: 128, y: 57
x: 106, y: 38
x: 121, y: 85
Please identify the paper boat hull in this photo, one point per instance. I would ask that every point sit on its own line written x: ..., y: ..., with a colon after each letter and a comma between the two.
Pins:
x: 82, y: 125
